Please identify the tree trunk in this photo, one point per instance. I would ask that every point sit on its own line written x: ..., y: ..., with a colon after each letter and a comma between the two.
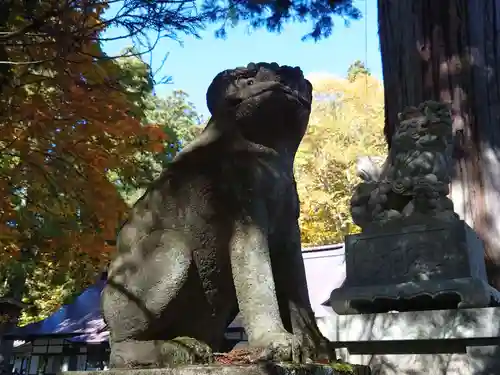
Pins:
x: 449, y: 50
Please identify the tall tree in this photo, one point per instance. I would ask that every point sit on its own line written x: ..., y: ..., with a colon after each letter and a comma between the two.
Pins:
x: 447, y: 50
x: 66, y: 26
x: 65, y: 124
x: 174, y: 115
x: 347, y: 120
x: 356, y: 69
x: 47, y: 286
x: 272, y: 14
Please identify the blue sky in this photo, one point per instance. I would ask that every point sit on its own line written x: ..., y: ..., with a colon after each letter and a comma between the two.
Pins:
x: 195, y: 63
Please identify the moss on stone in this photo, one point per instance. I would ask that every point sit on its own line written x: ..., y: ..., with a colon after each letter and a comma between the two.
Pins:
x: 342, y: 367
x: 185, y: 351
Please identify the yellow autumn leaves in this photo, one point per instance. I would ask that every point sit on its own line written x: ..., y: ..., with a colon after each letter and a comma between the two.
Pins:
x: 347, y: 121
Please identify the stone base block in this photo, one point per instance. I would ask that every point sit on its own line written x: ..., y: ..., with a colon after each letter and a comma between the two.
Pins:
x: 434, y: 265
x: 445, y: 342
x: 261, y: 369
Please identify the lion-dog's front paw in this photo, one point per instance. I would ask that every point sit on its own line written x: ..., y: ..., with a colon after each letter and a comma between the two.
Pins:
x: 317, y: 349
x: 277, y: 347
x: 286, y: 347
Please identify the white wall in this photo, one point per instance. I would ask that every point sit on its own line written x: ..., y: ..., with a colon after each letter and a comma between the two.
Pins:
x: 325, y: 271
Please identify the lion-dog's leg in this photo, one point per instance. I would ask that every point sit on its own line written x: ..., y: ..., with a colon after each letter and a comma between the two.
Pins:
x: 136, y: 297
x: 293, y: 297
x: 255, y: 289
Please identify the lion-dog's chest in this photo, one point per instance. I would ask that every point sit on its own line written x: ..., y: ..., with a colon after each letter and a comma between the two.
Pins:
x: 276, y: 187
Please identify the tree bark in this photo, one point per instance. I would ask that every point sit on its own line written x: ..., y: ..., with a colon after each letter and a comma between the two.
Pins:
x: 449, y: 50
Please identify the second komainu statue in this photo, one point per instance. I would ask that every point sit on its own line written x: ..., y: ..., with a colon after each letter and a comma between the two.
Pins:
x: 413, y: 183
x: 413, y: 253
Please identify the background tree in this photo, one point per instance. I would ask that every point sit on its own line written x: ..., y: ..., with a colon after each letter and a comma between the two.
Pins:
x: 346, y: 121
x: 356, y: 68
x: 272, y: 14
x: 65, y: 125
x: 174, y: 114
x: 47, y: 286
x: 65, y: 26
x: 62, y: 132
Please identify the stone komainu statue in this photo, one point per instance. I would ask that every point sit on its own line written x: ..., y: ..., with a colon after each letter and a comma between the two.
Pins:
x: 217, y: 234
x: 414, y: 180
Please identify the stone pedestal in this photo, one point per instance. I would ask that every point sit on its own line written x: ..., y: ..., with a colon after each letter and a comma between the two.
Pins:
x: 445, y: 342
x: 421, y: 266
x: 263, y: 369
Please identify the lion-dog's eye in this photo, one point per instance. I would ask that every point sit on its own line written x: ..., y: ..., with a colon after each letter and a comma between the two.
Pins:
x: 245, y: 81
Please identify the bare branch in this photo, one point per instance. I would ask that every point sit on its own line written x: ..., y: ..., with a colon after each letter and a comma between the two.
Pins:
x: 166, y: 18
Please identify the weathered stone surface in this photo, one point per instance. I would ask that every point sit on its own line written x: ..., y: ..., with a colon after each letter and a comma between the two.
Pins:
x: 448, y: 342
x: 217, y: 233
x: 457, y: 324
x: 414, y: 267
x: 420, y: 364
x: 263, y: 369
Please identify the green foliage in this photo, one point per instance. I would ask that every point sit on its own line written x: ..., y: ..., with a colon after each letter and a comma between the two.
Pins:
x: 47, y: 271
x: 51, y: 284
x: 178, y: 119
x: 272, y: 14
x: 137, y: 80
x: 346, y: 121
x: 65, y: 122
x: 356, y: 69
x: 174, y: 114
